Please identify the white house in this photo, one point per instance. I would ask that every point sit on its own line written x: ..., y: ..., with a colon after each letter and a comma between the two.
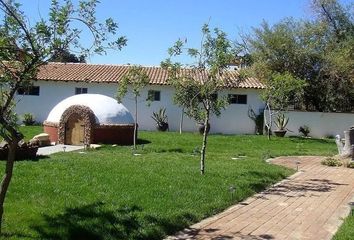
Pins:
x: 57, y: 81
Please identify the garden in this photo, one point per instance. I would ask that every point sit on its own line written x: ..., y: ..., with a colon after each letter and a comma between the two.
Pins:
x: 111, y: 193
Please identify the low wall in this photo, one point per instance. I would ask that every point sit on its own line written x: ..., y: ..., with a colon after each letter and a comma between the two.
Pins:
x: 53, y: 133
x: 122, y: 135
x: 321, y: 124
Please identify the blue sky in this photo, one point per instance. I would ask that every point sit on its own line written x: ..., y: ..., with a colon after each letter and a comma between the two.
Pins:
x: 153, y: 26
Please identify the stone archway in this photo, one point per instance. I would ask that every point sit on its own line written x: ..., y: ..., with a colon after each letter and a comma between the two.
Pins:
x: 80, y: 115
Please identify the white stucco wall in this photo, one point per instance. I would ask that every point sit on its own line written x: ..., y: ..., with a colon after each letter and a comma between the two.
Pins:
x: 234, y: 119
x: 321, y: 124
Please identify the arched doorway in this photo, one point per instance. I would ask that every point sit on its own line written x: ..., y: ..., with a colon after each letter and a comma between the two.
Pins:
x: 75, y: 126
x: 74, y: 130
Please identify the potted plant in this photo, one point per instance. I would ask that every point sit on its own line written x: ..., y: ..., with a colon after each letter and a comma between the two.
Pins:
x: 281, y: 121
x: 160, y: 118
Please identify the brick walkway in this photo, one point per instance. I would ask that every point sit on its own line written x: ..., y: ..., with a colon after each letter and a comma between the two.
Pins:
x: 308, y: 205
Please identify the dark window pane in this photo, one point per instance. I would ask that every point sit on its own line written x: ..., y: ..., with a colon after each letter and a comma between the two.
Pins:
x: 35, y: 91
x: 31, y: 90
x: 232, y: 98
x: 237, y: 99
x: 21, y: 91
x: 157, y: 96
x: 242, y: 99
x: 150, y: 96
x: 80, y: 90
x: 153, y: 95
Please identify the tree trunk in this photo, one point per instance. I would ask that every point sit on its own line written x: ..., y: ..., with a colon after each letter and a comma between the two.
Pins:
x: 181, y: 122
x: 268, y: 124
x: 136, y: 122
x: 7, y: 177
x: 202, y: 151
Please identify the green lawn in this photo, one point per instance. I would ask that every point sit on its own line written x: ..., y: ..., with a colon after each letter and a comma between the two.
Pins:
x: 111, y: 194
x: 30, y: 131
x: 346, y: 231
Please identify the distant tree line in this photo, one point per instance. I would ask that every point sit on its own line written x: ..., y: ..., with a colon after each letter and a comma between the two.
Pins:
x: 306, y: 63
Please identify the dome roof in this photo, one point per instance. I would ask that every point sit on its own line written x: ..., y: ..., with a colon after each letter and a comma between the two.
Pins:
x: 106, y: 109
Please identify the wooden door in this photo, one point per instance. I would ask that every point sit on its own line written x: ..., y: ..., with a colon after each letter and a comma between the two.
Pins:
x: 74, y: 130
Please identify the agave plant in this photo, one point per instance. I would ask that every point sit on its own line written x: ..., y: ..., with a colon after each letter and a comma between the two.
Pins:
x: 161, y: 120
x: 281, y: 121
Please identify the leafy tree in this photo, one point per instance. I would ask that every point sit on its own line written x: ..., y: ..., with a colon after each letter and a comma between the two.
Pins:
x: 66, y: 56
x: 282, y: 90
x: 318, y: 52
x: 24, y: 48
x: 136, y: 79
x: 197, y: 85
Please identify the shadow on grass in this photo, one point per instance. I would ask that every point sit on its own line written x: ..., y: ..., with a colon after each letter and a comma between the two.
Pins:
x: 171, y: 150
x: 262, y: 179
x: 33, y: 159
x: 142, y: 141
x: 95, y: 221
x: 297, y: 139
x: 6, y: 235
x: 40, y: 157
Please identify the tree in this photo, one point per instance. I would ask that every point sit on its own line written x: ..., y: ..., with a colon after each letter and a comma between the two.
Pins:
x: 137, y: 79
x: 196, y: 85
x: 319, y: 52
x: 24, y: 48
x: 66, y: 56
x: 282, y: 90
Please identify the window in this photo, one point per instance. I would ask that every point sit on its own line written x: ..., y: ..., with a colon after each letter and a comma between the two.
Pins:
x: 153, y: 95
x: 80, y: 90
x: 31, y: 90
x: 237, y: 99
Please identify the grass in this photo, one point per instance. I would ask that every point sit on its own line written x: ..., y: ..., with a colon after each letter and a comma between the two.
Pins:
x: 30, y: 131
x: 110, y: 194
x: 346, y: 231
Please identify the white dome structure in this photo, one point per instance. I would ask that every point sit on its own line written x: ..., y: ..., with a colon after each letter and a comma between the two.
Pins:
x: 90, y: 118
x: 106, y: 109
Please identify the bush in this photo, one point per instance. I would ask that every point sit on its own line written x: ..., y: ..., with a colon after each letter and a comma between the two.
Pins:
x: 329, y: 136
x: 332, y: 162
x: 258, y: 120
x: 304, y: 130
x: 350, y: 165
x: 28, y: 119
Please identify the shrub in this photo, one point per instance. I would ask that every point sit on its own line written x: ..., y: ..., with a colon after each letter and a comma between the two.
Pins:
x: 281, y: 121
x: 304, y: 130
x: 160, y: 118
x: 329, y: 136
x: 258, y: 120
x: 350, y: 165
x: 28, y: 119
x: 332, y: 162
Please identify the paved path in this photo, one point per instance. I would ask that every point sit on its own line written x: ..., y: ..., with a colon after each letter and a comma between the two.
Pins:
x: 57, y: 148
x: 308, y: 205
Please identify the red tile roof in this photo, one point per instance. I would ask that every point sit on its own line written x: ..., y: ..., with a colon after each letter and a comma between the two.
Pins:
x: 99, y: 73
